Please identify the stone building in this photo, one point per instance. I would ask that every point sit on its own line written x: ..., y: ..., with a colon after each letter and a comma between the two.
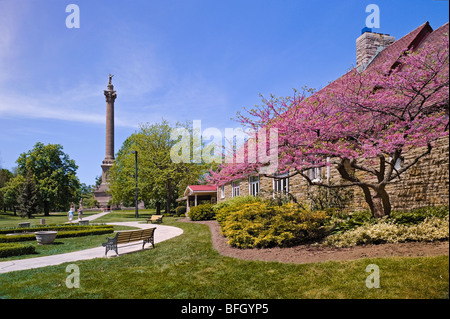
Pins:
x: 424, y: 184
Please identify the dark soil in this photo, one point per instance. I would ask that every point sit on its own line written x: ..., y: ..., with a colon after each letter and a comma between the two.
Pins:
x: 307, y: 253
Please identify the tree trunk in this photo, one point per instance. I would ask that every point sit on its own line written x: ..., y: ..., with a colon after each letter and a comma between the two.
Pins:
x: 169, y: 196
x: 46, y: 208
x: 379, y: 203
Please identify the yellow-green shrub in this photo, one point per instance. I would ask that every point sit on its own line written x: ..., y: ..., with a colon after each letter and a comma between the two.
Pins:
x: 224, y: 208
x: 259, y: 225
x: 201, y: 212
x: 385, y: 231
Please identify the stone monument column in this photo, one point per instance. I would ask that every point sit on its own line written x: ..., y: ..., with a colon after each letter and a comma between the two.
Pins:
x: 110, y: 96
x: 100, y: 194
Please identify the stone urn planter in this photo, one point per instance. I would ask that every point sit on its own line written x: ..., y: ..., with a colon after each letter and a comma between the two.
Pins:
x: 45, y: 237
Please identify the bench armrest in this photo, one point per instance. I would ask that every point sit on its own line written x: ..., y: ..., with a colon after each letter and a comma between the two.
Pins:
x: 110, y: 241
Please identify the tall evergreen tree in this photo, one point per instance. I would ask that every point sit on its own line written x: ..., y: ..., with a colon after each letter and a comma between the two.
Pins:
x: 27, y: 200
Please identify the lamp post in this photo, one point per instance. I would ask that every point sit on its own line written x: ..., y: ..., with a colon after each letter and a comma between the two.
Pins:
x: 136, y: 180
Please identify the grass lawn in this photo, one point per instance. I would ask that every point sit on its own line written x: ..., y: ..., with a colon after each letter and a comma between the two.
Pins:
x: 187, y: 266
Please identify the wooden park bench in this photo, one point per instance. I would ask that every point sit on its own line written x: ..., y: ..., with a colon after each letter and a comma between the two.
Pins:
x: 124, y: 237
x: 155, y: 218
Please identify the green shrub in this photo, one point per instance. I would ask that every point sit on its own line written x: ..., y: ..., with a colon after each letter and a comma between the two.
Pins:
x: 419, y: 215
x: 180, y: 210
x: 222, y: 209
x: 202, y: 212
x: 352, y: 220
x: 387, y: 231
x: 65, y: 227
x: 259, y: 225
x: 7, y: 250
x: 72, y: 231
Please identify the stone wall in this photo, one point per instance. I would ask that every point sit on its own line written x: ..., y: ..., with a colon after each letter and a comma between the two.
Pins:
x: 424, y: 184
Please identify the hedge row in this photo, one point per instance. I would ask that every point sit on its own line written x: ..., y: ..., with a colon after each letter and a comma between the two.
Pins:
x: 7, y: 250
x: 51, y: 227
x: 61, y: 234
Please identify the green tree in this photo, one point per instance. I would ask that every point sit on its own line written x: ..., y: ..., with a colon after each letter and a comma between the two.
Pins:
x: 5, y: 176
x: 54, y: 174
x: 11, y: 192
x: 28, y: 198
x: 160, y: 180
x: 86, y: 192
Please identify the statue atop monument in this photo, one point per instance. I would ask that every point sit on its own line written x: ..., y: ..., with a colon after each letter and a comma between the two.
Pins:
x: 110, y: 78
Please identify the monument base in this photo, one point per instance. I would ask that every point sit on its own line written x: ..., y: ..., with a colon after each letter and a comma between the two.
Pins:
x: 102, y: 197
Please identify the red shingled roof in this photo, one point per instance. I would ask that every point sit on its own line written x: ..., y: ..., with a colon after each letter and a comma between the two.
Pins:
x: 437, y: 34
x: 407, y: 42
x: 203, y: 188
x: 413, y: 40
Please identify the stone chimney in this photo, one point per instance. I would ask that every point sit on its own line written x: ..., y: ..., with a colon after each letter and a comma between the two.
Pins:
x: 368, y: 45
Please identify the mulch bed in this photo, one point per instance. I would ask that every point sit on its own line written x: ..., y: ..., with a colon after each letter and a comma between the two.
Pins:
x: 302, y: 254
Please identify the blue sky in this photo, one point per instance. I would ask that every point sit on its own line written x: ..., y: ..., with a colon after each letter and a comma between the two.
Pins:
x: 173, y: 59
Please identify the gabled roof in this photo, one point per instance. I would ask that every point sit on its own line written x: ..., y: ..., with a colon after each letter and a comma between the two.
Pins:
x: 436, y: 34
x: 192, y: 189
x: 203, y: 188
x: 410, y: 41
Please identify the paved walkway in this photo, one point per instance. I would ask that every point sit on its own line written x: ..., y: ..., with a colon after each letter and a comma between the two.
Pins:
x: 162, y: 233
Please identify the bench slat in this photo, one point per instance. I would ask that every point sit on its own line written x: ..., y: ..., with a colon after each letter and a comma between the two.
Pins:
x: 135, y: 237
x: 148, y: 232
x: 123, y: 237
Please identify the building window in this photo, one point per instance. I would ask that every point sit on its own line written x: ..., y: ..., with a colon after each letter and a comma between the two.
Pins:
x: 222, y: 191
x: 281, y: 184
x: 236, y: 189
x: 398, y: 163
x: 315, y: 174
x: 253, y: 182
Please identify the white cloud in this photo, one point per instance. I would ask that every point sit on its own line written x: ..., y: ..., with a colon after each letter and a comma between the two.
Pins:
x: 60, y: 107
x: 148, y: 85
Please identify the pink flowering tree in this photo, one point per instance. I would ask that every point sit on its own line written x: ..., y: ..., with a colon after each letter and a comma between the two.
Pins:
x: 362, y: 124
